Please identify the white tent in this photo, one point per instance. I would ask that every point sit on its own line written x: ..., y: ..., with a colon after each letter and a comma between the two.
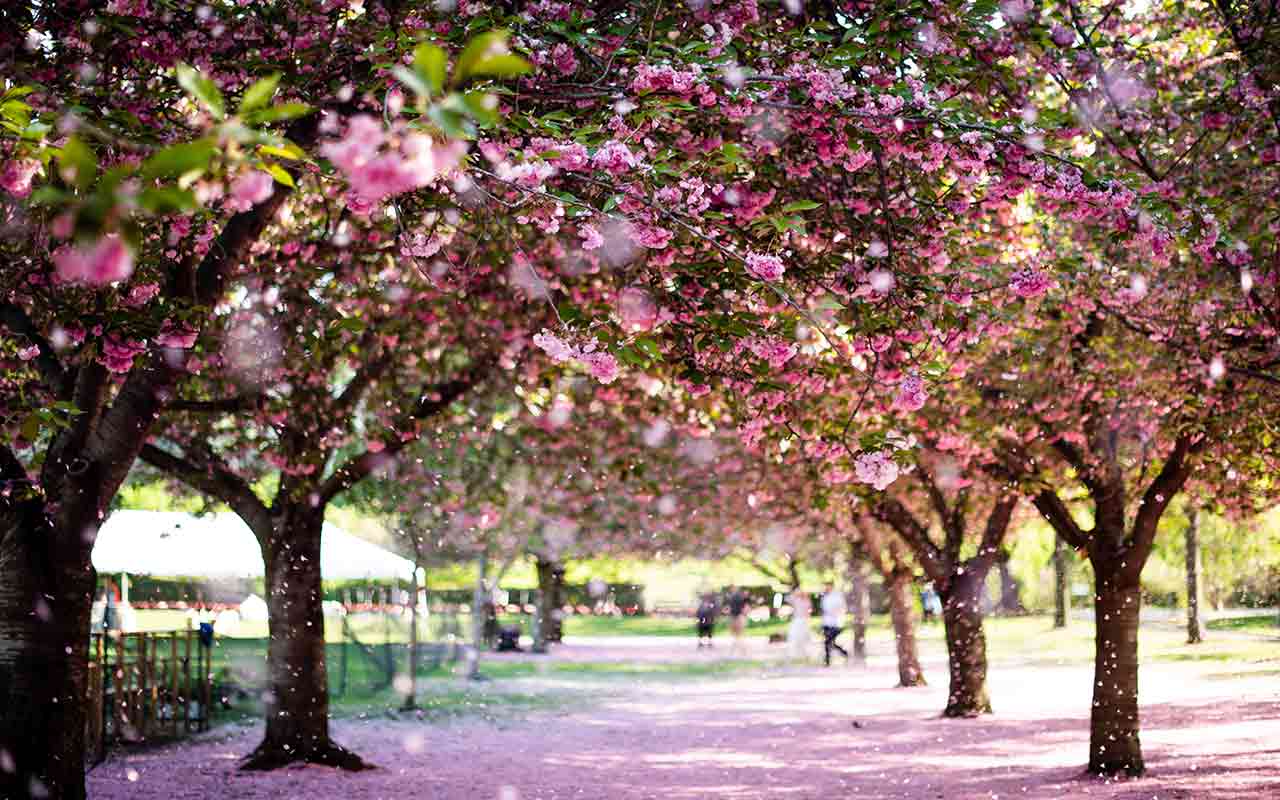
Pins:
x: 175, y: 544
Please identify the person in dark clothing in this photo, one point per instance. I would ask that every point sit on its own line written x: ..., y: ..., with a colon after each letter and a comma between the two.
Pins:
x: 833, y: 611
x: 707, y: 612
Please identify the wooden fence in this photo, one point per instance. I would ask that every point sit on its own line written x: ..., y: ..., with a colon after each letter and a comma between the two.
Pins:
x: 147, y: 685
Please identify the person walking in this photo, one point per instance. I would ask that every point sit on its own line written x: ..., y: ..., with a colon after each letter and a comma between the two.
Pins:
x: 737, y: 617
x: 833, y: 611
x: 707, y: 612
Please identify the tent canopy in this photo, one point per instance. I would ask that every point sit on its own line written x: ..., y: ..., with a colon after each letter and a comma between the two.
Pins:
x: 174, y: 544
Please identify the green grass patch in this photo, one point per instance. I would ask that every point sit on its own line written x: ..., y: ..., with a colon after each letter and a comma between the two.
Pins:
x: 1266, y: 622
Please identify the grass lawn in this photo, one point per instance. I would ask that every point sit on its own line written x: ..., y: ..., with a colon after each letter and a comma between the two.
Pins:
x: 1261, y: 624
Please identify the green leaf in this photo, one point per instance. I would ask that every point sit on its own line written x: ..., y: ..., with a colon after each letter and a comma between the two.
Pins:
x: 167, y: 199
x: 801, y: 205
x: 279, y: 173
x: 179, y: 159
x: 280, y: 111
x: 287, y: 150
x: 430, y: 61
x: 260, y: 93
x: 77, y: 164
x: 507, y: 65
x: 416, y: 83
x: 483, y: 106
x: 485, y: 47
x: 202, y: 88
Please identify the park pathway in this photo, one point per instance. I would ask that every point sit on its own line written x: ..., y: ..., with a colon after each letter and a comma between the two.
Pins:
x: 1210, y: 733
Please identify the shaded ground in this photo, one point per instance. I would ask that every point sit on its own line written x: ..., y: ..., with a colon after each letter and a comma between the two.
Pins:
x: 699, y: 728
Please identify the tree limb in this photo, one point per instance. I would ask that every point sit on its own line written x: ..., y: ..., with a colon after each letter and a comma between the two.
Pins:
x: 1056, y: 513
x: 213, y: 478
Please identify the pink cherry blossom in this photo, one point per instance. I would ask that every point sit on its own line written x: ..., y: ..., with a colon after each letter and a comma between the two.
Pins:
x: 614, y: 157
x: 251, y: 188
x: 558, y: 349
x: 602, y: 366
x: 651, y: 236
x: 878, y: 469
x: 563, y: 59
x: 777, y: 352
x: 911, y: 394
x: 764, y: 267
x: 175, y: 335
x: 636, y: 309
x: 29, y: 353
x: 16, y: 176
x: 141, y: 295
x: 1029, y: 282
x: 106, y: 261
x: 591, y: 238
x: 118, y: 354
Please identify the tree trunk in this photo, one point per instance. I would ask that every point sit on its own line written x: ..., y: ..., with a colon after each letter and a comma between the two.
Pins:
x: 298, y: 690
x: 479, y: 610
x: 902, y: 612
x: 966, y: 642
x: 46, y: 594
x: 411, y: 694
x: 551, y: 591
x: 1061, y: 582
x: 1193, y: 576
x: 1010, y: 591
x: 858, y: 603
x: 1114, y: 746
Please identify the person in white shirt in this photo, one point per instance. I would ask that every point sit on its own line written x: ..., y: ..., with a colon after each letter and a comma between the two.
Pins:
x: 833, y: 611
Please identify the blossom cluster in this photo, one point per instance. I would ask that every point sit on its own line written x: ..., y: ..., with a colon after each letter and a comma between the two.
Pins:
x: 378, y: 165
x: 600, y: 364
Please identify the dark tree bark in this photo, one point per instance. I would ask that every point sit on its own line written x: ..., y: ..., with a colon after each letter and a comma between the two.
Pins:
x: 1061, y: 582
x: 966, y: 645
x: 859, y: 601
x: 411, y: 696
x: 1114, y: 745
x: 46, y: 593
x: 961, y: 584
x: 298, y: 688
x: 891, y: 563
x: 902, y: 612
x: 1118, y: 550
x: 1194, y: 634
x: 550, y: 599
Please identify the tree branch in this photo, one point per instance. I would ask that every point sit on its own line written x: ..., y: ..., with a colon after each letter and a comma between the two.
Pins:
x: 1056, y: 513
x: 214, y: 479
x: 1173, y: 475
x: 894, y: 514
x: 223, y: 405
x: 438, y: 398
x: 15, y: 318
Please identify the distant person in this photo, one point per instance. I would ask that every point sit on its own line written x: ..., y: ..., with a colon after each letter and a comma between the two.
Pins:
x: 833, y: 611
x: 737, y: 617
x: 706, y: 614
x: 798, y: 630
x: 930, y: 601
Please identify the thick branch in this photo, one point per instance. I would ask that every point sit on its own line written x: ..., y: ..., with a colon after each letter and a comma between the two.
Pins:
x: 997, y: 526
x: 432, y: 402
x: 16, y: 320
x: 1173, y: 475
x: 896, y: 516
x: 1056, y: 513
x: 214, y: 479
x: 222, y: 405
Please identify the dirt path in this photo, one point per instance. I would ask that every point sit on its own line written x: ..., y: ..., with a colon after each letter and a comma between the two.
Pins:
x: 801, y: 732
